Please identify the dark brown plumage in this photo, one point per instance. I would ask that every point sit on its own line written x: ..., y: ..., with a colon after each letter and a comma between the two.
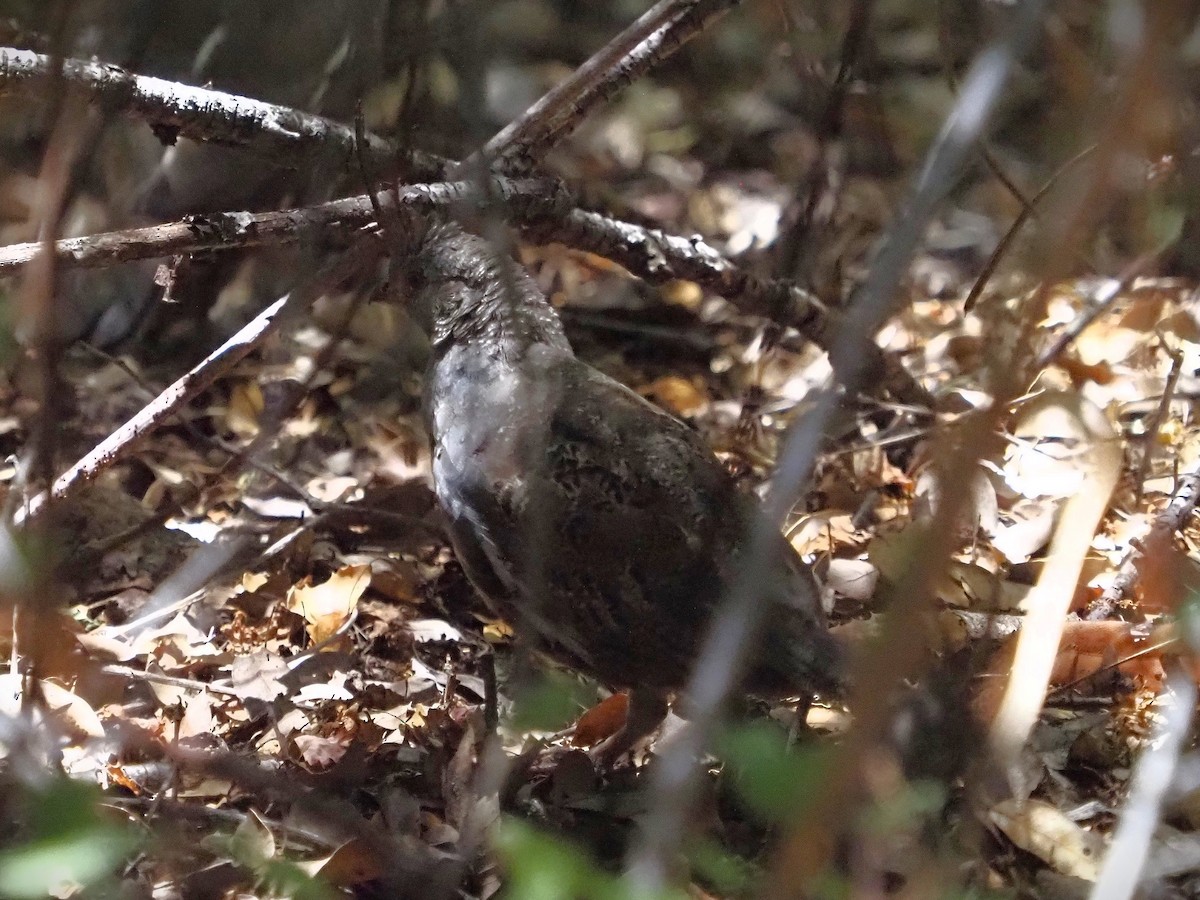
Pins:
x: 583, y: 513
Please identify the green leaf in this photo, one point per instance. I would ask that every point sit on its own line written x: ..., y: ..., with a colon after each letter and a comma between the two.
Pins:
x: 540, y: 866
x: 774, y: 781
x: 1189, y: 617
x: 726, y: 872
x: 907, y: 807
x: 549, y: 703
x: 70, y: 844
x: 286, y: 879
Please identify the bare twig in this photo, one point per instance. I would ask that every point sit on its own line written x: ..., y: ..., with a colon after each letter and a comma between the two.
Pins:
x: 1028, y: 208
x: 1157, y: 543
x: 129, y: 436
x: 662, y: 30
x: 239, y: 230
x: 1106, y: 295
x: 184, y: 684
x: 1155, y: 425
x: 288, y: 134
x: 540, y: 206
x: 659, y: 257
x: 821, y: 182
x: 38, y: 300
x: 282, y: 135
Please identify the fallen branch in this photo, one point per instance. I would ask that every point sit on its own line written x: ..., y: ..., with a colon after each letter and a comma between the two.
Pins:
x: 538, y: 197
x: 283, y: 135
x: 662, y: 30
x: 658, y: 257
x: 541, y: 207
x: 1156, y: 545
x: 122, y: 442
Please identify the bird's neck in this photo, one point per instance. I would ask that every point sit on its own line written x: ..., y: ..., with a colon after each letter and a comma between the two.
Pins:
x: 493, y: 319
x: 482, y: 297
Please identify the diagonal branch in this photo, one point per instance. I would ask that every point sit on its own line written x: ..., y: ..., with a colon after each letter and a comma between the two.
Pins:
x: 285, y: 136
x: 541, y: 207
x: 662, y: 30
x: 122, y: 442
x: 1155, y: 546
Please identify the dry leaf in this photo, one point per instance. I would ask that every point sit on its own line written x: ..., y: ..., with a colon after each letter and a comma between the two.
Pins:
x: 679, y: 395
x: 319, y: 751
x: 257, y: 675
x: 352, y: 863
x: 397, y: 580
x: 1043, y: 830
x: 252, y: 581
x: 178, y: 637
x: 197, y: 716
x: 252, y: 841
x: 1086, y: 649
x: 99, y: 644
x: 425, y: 630
x: 326, y: 606
x: 245, y: 406
x: 70, y: 711
x: 824, y: 533
x: 853, y: 578
x: 1020, y: 539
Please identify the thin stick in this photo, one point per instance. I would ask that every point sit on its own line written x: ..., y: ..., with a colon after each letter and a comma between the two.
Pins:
x: 658, y: 257
x: 662, y: 30
x: 288, y: 134
x: 129, y: 436
x: 1157, y: 543
x: 184, y: 684
x: 539, y: 206
x: 1156, y: 424
x: 1028, y: 208
x: 1106, y: 296
x: 822, y: 180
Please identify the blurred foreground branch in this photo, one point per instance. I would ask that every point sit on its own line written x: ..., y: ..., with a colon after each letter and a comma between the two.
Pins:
x: 674, y: 789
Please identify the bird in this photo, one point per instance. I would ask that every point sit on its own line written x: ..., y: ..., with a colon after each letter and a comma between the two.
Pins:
x: 595, y: 522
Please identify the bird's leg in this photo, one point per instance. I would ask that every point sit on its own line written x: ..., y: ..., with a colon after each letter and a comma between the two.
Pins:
x: 799, y: 728
x: 647, y: 708
x: 491, y: 696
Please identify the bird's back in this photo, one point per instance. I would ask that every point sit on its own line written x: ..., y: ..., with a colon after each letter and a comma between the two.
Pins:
x: 580, y: 510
